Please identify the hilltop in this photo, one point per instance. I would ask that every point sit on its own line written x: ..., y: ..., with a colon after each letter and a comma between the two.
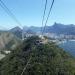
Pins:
x: 42, y: 59
x: 17, y: 31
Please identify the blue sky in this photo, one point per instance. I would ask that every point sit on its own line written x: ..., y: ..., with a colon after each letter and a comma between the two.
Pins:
x: 30, y: 12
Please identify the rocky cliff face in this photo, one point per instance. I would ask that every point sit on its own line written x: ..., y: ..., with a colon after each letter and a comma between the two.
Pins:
x: 6, y: 39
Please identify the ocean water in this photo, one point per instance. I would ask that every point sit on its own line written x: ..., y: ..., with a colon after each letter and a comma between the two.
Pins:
x: 68, y: 46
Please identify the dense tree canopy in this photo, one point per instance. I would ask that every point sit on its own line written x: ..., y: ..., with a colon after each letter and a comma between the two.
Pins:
x: 44, y: 59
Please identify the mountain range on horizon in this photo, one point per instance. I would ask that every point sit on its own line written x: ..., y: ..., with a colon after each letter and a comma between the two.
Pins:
x: 56, y: 28
x: 27, y: 27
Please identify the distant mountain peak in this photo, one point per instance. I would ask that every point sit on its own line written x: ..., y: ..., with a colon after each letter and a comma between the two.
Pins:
x: 17, y: 31
x: 17, y: 28
x: 58, y: 24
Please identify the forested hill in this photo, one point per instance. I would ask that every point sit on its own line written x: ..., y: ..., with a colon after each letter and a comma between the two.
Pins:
x: 37, y: 59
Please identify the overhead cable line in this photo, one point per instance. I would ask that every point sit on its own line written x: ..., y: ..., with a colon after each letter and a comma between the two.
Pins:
x: 44, y: 13
x: 48, y: 15
x: 26, y: 66
x: 7, y: 10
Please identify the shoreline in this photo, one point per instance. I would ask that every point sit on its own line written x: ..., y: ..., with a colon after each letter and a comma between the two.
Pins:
x: 64, y: 41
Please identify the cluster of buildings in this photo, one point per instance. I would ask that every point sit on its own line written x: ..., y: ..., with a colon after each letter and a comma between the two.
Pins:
x: 59, y: 36
x: 50, y: 35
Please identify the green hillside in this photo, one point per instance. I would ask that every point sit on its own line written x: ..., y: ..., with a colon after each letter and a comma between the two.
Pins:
x: 37, y: 59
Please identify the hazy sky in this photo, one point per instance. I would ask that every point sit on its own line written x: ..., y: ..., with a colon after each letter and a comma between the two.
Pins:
x: 30, y: 12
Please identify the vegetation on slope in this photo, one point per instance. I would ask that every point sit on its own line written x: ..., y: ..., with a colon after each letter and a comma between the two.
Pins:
x: 44, y: 59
